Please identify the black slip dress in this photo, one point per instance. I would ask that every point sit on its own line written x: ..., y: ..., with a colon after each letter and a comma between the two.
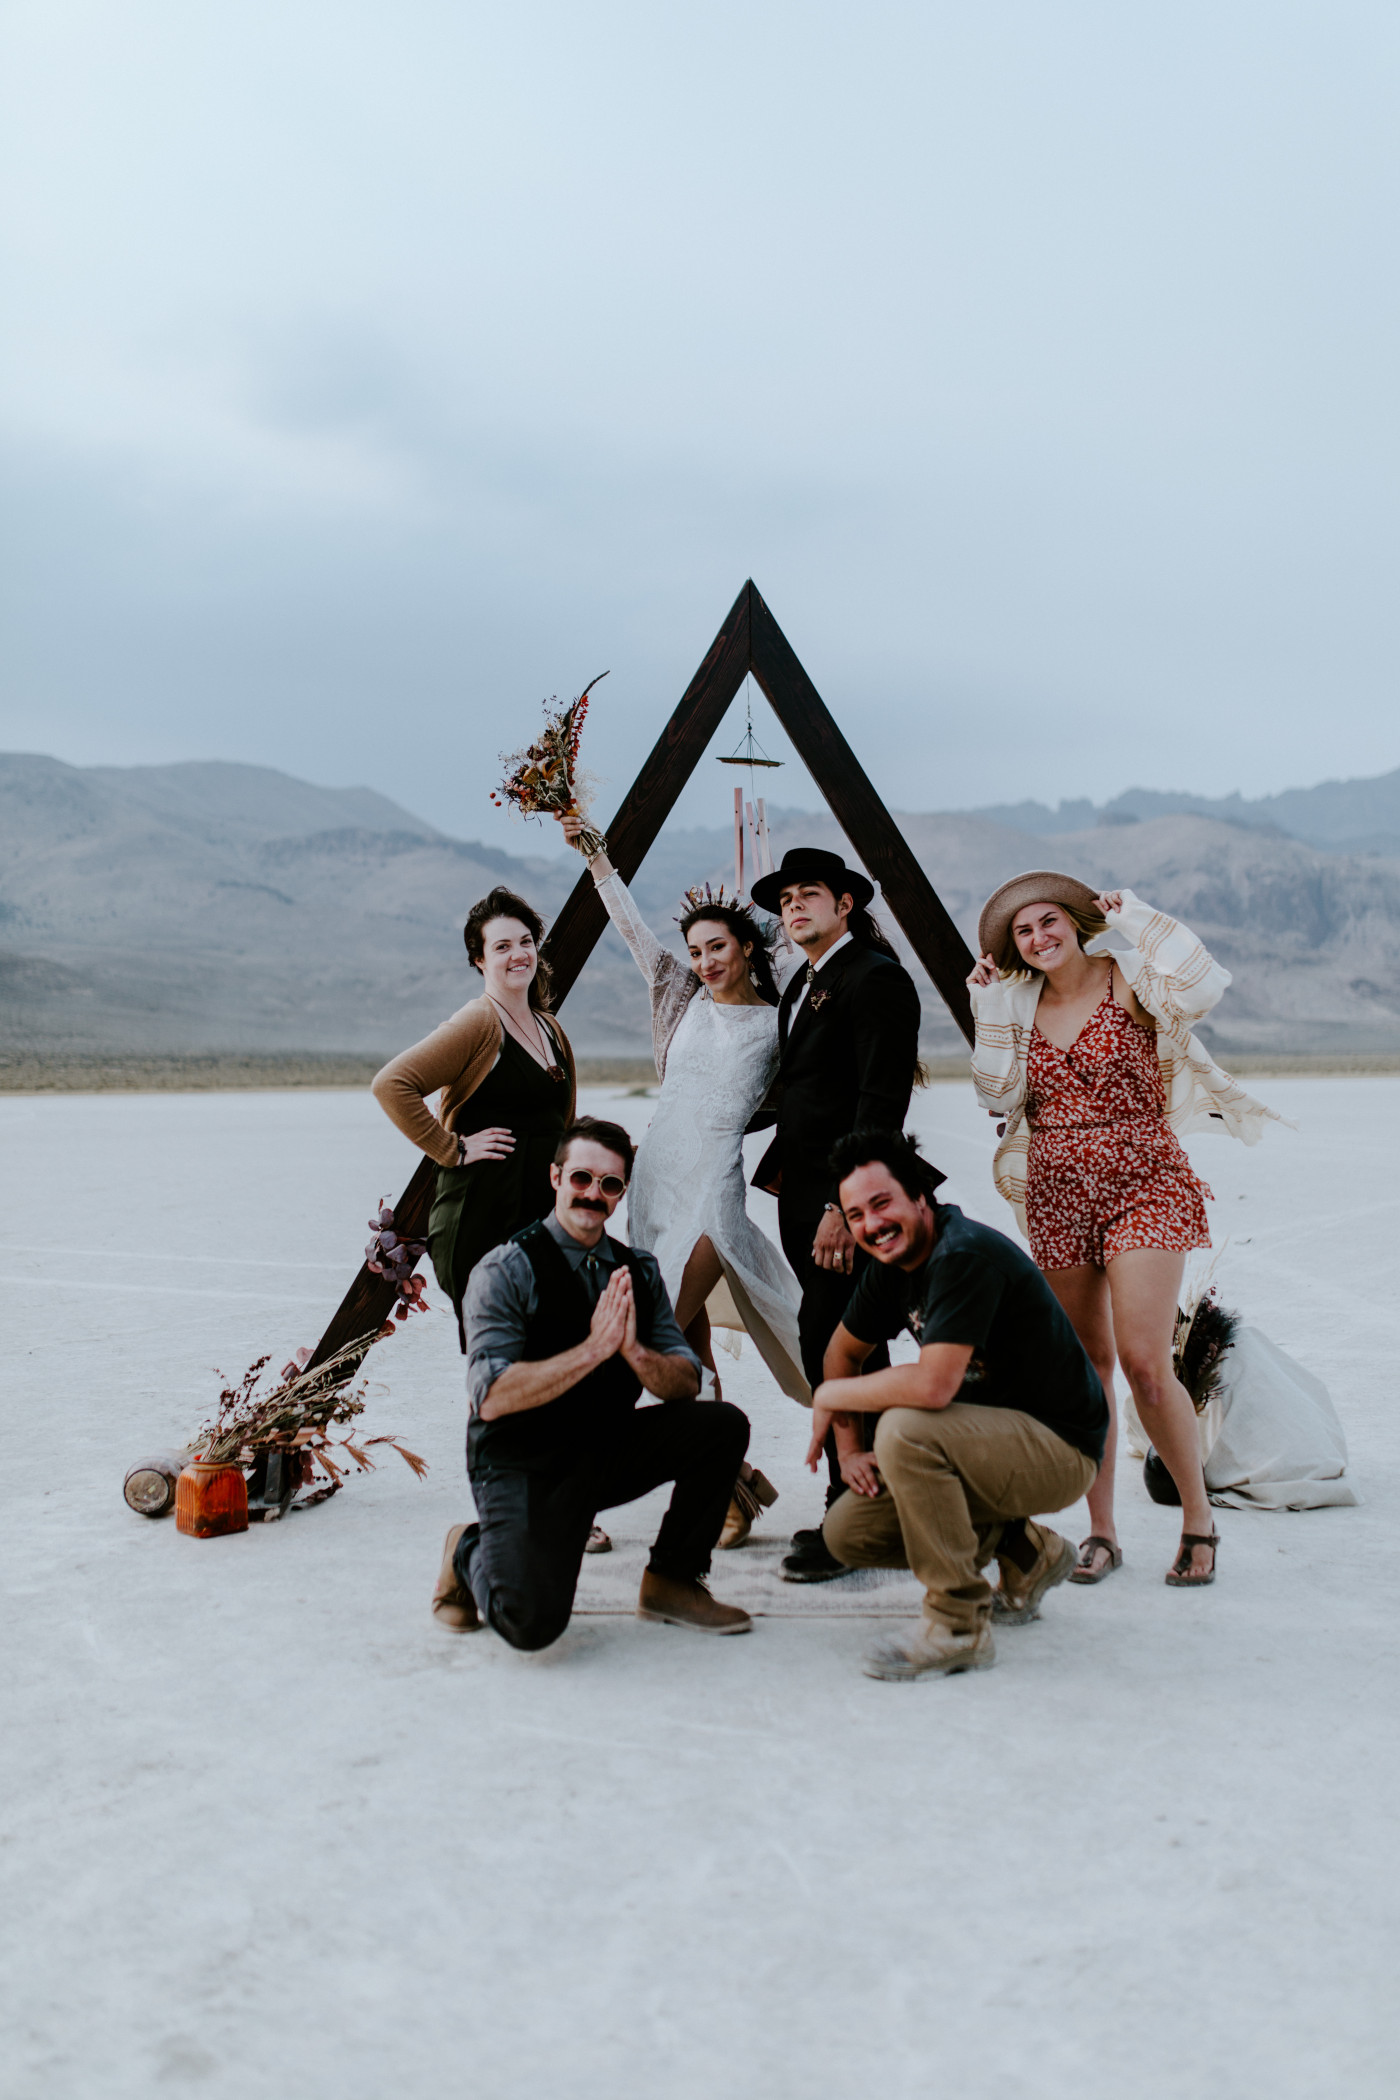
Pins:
x: 477, y: 1206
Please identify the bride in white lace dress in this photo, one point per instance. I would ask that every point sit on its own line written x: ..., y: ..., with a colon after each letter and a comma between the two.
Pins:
x: 715, y: 1036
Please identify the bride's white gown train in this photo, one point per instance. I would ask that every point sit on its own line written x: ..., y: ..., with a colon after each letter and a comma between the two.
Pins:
x: 688, y: 1181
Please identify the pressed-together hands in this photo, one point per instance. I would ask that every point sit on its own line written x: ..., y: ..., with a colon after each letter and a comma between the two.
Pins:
x: 613, y: 1330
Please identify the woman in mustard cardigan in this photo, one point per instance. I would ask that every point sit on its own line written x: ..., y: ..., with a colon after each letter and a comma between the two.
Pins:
x: 503, y: 1073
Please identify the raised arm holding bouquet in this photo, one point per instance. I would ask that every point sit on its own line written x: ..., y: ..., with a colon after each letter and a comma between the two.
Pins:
x: 544, y: 780
x: 501, y: 1067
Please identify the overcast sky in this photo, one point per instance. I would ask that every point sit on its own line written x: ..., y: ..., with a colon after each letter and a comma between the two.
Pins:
x: 373, y: 371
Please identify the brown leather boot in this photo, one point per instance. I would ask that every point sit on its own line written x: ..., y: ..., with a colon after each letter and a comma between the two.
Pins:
x: 753, y: 1493
x: 688, y: 1604
x: 1019, y: 1599
x: 931, y: 1646
x: 453, y: 1605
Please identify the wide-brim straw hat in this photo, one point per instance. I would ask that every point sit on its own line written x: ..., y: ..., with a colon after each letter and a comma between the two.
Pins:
x: 1038, y: 886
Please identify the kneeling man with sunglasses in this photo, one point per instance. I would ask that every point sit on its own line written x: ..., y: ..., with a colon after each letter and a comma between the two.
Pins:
x: 565, y: 1330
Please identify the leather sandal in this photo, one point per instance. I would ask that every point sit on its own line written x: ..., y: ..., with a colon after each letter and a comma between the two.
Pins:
x: 1179, y: 1575
x: 1086, y: 1571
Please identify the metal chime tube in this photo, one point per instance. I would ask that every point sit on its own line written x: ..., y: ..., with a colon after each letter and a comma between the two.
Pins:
x: 765, y: 844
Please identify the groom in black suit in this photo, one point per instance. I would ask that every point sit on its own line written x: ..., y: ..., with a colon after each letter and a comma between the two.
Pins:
x: 848, y: 1027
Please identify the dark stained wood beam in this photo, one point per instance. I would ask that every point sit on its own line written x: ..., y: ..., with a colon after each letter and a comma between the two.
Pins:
x: 872, y: 831
x: 749, y: 640
x: 370, y: 1299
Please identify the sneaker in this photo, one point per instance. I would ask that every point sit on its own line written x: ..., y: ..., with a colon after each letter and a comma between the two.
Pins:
x: 931, y: 1647
x: 1018, y: 1600
x: 688, y: 1604
x: 454, y: 1606
x: 598, y: 1540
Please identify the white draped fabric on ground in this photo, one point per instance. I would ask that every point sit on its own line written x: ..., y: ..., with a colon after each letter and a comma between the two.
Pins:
x: 1270, y: 1437
x: 689, y: 1176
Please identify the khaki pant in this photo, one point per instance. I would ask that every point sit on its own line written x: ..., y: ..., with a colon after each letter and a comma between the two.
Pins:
x: 953, y: 1477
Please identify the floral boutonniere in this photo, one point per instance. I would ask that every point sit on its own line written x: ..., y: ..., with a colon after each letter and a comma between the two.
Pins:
x: 817, y: 999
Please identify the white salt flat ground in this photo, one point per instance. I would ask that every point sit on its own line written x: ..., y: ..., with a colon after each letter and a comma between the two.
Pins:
x: 268, y: 1830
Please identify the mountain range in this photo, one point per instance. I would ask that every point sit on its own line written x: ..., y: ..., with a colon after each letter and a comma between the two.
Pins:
x: 1353, y: 816
x: 212, y: 907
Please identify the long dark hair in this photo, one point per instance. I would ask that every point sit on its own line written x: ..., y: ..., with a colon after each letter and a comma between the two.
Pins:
x: 747, y: 931
x: 502, y: 903
x: 867, y: 932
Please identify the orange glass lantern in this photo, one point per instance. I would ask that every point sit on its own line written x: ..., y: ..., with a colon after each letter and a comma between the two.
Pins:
x: 211, y: 1500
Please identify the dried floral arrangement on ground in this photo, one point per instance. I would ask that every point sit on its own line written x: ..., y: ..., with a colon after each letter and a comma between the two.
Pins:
x: 297, y: 1417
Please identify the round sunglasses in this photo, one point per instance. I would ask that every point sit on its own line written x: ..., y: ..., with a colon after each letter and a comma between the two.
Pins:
x: 610, y: 1184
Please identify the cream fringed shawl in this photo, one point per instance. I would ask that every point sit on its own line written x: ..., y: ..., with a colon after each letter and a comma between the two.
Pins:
x: 1176, y: 981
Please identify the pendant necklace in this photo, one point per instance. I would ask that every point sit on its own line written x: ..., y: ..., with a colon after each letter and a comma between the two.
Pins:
x: 555, y: 1070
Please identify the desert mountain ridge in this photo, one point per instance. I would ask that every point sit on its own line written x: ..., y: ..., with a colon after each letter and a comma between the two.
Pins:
x: 215, y: 907
x: 1355, y: 816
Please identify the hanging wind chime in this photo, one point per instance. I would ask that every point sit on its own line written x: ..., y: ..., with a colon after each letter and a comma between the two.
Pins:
x: 751, y: 813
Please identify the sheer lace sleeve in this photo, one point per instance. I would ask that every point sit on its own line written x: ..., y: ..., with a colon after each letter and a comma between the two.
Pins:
x: 655, y: 962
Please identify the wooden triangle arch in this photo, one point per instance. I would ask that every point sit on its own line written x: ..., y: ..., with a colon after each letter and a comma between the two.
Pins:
x: 749, y: 640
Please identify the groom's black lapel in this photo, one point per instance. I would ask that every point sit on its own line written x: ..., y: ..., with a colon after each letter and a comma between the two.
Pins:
x: 822, y: 986
x: 787, y: 1002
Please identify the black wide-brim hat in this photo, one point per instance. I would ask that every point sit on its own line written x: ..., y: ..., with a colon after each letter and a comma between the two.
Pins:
x: 811, y: 864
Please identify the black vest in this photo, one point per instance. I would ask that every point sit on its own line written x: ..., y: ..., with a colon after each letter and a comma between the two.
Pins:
x: 554, y: 1435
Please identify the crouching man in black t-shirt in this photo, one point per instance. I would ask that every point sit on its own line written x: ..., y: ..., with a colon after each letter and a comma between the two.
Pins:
x: 1002, y: 1415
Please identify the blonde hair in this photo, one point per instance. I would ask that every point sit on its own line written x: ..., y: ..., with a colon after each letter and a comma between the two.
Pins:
x: 1087, y: 924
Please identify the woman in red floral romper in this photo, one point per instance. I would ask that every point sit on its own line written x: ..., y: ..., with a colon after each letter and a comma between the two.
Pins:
x: 1112, y: 1206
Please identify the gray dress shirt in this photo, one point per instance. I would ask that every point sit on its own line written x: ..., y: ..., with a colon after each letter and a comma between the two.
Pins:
x: 502, y: 1296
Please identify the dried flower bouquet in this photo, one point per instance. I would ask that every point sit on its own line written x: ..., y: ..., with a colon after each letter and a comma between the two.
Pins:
x: 544, y: 780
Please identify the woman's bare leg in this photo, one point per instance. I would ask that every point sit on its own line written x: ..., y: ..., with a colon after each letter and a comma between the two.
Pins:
x: 702, y: 1272
x: 1145, y: 1286
x: 698, y: 1336
x: 1084, y: 1294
